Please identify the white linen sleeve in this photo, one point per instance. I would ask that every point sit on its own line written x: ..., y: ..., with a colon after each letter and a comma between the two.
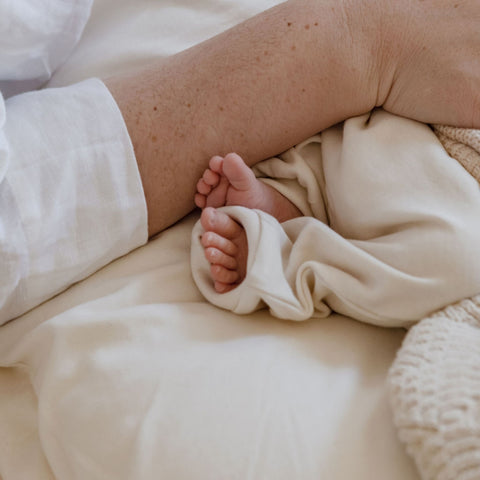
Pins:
x: 71, y: 198
x: 36, y: 36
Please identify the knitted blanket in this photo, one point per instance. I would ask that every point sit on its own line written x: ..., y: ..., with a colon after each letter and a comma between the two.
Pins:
x: 434, y: 382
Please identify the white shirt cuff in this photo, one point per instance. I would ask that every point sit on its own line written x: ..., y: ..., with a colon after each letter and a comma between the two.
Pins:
x: 72, y: 198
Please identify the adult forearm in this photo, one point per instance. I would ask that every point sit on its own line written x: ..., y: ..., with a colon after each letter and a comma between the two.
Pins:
x: 257, y: 89
x: 292, y: 71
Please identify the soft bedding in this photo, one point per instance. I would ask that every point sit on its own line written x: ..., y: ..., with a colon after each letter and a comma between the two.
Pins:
x: 389, y: 232
x: 131, y: 374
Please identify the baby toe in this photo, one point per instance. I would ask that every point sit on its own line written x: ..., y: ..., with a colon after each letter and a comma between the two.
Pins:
x: 211, y: 178
x: 214, y: 240
x: 216, y: 164
x: 217, y: 257
x: 200, y: 200
x: 220, y: 223
x: 223, y: 287
x: 223, y: 275
x: 203, y: 188
x: 218, y: 195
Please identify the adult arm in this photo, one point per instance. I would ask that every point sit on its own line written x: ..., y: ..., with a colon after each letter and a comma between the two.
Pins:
x: 288, y: 73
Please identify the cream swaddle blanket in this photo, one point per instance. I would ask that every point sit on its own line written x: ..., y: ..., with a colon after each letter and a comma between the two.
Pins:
x: 390, y: 235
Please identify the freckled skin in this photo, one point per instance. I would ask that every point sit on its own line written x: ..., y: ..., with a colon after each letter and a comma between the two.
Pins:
x: 358, y: 58
x: 238, y: 97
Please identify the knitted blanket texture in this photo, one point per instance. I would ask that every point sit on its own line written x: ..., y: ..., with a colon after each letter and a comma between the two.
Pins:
x: 434, y: 382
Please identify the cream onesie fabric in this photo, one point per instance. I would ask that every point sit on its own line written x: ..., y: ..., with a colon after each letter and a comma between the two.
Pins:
x: 391, y: 237
x: 390, y: 232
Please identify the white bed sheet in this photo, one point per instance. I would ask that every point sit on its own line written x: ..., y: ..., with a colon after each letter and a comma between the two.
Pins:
x: 131, y: 374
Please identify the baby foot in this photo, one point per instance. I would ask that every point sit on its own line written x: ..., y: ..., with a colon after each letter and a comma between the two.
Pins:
x: 226, y: 249
x: 213, y: 186
x: 230, y: 181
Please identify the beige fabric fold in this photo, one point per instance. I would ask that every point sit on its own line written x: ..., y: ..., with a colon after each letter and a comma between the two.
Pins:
x: 434, y: 388
x: 390, y: 232
x: 434, y: 381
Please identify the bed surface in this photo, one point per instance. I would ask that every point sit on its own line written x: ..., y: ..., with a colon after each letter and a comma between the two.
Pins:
x: 131, y: 374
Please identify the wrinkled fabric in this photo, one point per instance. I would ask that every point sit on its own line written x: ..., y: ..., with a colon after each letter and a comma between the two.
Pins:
x: 395, y: 234
x: 71, y: 198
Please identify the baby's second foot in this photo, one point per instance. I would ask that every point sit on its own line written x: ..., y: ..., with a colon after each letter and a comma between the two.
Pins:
x: 226, y: 249
x: 230, y: 181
